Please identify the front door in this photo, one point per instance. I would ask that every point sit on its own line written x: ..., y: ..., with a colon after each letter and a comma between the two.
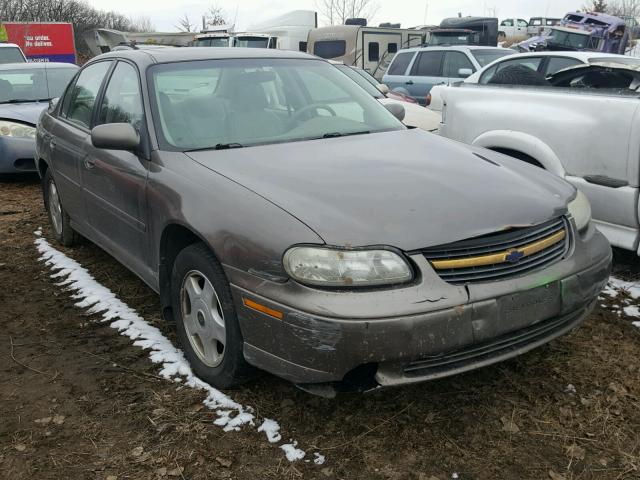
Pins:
x: 114, y: 181
x: 376, y: 46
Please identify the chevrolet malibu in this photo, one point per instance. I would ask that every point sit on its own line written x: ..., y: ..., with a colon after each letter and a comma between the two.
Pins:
x: 290, y: 222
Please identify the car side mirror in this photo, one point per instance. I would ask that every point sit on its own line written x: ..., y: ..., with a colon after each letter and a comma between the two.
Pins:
x: 383, y: 88
x: 53, y: 103
x: 396, y: 110
x: 115, y: 136
x: 465, y: 72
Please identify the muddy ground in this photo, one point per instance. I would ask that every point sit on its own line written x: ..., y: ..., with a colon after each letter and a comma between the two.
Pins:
x: 78, y: 401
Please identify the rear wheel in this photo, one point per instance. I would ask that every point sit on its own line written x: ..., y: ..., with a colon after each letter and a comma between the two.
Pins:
x: 58, y: 217
x: 207, y: 324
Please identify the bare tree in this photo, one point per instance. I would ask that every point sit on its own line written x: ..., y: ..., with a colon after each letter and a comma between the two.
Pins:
x: 596, y: 6
x: 335, y: 12
x: 141, y: 24
x: 185, y: 25
x: 215, y: 16
x: 624, y: 8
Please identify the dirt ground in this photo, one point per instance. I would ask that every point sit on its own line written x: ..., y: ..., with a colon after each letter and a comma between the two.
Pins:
x: 79, y: 401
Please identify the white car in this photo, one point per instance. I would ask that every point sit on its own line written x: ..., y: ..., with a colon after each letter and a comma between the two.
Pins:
x: 415, y: 115
x: 11, y: 53
x: 545, y: 63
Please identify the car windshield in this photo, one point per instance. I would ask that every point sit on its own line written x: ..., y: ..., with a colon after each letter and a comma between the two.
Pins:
x: 357, y: 77
x: 244, y: 102
x: 452, y: 38
x: 485, y: 57
x: 568, y: 39
x: 211, y: 42
x: 251, y: 42
x: 11, y: 55
x: 32, y: 84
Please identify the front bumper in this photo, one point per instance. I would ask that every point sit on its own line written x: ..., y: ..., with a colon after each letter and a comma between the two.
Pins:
x: 17, y: 155
x: 426, y: 331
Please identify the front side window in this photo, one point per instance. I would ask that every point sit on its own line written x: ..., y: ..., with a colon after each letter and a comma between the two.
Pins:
x: 506, y: 23
x: 78, y: 107
x: 330, y: 48
x: 530, y: 62
x: 522, y: 23
x: 428, y: 64
x: 485, y: 57
x: 400, y: 63
x: 122, y: 102
x: 257, y: 102
x: 454, y: 62
x: 33, y: 84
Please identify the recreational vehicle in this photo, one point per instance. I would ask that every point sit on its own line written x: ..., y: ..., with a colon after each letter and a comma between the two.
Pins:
x: 286, y: 32
x: 362, y: 46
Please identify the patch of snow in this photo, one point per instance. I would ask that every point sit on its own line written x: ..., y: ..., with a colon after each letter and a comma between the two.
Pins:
x: 571, y: 389
x: 292, y: 452
x: 271, y: 430
x: 319, y: 460
x: 632, y: 289
x: 99, y: 300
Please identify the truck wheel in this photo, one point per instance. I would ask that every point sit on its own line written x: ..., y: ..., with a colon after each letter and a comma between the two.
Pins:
x: 206, y: 320
x: 58, y: 217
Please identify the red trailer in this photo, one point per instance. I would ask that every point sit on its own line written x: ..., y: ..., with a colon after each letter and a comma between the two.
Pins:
x: 42, y: 42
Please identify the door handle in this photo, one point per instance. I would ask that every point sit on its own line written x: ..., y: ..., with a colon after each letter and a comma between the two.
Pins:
x: 410, y: 82
x: 88, y: 163
x: 605, y: 181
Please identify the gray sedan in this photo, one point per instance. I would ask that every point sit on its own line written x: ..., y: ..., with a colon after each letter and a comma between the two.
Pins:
x: 290, y: 222
x: 25, y: 91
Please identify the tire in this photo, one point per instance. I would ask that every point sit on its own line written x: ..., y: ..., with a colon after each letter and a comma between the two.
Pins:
x: 219, y: 362
x: 58, y: 217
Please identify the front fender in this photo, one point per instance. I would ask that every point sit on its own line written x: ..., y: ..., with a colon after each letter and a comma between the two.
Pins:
x: 524, y: 143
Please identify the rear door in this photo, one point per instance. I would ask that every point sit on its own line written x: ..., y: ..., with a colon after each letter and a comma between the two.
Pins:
x: 426, y: 72
x: 70, y: 141
x: 115, y: 181
x: 397, y: 74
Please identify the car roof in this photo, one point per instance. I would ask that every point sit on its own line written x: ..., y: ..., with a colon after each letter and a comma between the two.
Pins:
x: 584, y: 56
x: 11, y: 45
x: 185, y: 54
x: 460, y: 48
x: 35, y: 65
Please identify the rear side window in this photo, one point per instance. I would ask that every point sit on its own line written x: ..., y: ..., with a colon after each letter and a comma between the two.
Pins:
x: 400, y: 63
x: 531, y: 62
x: 428, y: 64
x: 330, y: 48
x: 556, y: 64
x: 122, y: 102
x: 11, y: 55
x: 454, y: 61
x: 374, y: 51
x: 78, y: 107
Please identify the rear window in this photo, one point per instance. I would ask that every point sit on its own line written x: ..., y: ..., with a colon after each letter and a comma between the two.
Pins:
x: 485, y: 57
x: 400, y: 63
x: 11, y: 55
x: 330, y: 48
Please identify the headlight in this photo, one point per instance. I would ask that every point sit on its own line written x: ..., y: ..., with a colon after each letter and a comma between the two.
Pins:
x: 580, y: 210
x: 329, y: 267
x: 16, y: 130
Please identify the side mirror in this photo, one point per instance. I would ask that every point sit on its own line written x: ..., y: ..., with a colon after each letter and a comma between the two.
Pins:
x: 115, y: 136
x: 53, y: 103
x: 465, y: 72
x: 396, y: 110
x: 383, y: 88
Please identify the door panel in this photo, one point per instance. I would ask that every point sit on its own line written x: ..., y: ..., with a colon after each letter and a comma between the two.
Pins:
x: 425, y: 73
x: 375, y: 45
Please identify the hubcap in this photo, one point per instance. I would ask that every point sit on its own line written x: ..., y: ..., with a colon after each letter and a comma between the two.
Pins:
x: 203, y: 318
x: 55, y: 209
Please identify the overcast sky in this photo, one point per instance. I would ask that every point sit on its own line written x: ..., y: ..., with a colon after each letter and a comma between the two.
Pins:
x: 164, y: 14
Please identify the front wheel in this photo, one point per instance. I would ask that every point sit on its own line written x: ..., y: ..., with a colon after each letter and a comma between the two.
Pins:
x: 207, y: 324
x: 58, y: 217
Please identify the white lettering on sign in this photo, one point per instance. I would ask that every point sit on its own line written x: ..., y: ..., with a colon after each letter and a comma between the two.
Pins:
x: 37, y: 41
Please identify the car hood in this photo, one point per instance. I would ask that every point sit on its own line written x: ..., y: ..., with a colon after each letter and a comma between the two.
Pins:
x: 408, y: 189
x: 27, y: 112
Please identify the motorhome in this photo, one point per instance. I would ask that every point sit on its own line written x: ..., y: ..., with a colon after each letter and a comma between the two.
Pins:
x: 369, y: 48
x: 286, y: 32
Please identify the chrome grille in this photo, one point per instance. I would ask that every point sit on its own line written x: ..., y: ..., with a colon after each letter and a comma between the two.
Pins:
x: 500, y: 255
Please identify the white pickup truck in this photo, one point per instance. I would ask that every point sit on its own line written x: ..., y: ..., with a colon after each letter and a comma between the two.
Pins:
x: 579, y: 127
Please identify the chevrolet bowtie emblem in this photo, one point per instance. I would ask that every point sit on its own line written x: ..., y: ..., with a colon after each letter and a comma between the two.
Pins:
x: 514, y: 256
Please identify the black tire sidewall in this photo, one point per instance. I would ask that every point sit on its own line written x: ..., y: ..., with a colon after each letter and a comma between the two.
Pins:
x: 67, y: 237
x: 233, y: 370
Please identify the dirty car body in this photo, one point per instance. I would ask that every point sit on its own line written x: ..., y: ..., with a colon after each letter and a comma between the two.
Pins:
x: 359, y: 257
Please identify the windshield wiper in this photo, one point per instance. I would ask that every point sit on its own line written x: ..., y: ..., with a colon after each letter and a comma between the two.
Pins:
x: 26, y: 100
x: 219, y: 146
x: 338, y: 134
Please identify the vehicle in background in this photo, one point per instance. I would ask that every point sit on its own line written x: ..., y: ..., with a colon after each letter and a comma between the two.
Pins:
x: 543, y: 63
x: 415, y: 116
x: 361, y: 45
x: 481, y: 31
x: 583, y: 125
x: 11, y: 53
x: 537, y: 25
x: 102, y: 40
x: 214, y: 36
x: 290, y: 222
x: 579, y: 31
x: 512, y: 28
x: 286, y: 32
x: 42, y: 41
x: 415, y: 71
x: 25, y: 91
